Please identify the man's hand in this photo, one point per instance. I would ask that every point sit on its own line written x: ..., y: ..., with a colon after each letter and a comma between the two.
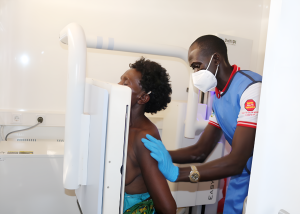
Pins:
x: 162, y: 156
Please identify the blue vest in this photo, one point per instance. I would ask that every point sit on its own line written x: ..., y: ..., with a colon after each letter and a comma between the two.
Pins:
x: 226, y: 110
x: 227, y: 107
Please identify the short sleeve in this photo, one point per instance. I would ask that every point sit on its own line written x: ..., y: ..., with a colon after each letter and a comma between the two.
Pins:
x: 213, y: 120
x: 249, y: 103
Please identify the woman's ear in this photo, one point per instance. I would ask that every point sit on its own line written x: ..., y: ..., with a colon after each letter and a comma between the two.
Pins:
x: 144, y: 99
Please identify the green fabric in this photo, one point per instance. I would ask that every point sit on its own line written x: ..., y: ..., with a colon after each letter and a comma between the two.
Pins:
x: 144, y: 207
x: 132, y: 199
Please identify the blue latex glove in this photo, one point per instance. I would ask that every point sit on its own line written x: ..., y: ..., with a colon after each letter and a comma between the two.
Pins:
x: 162, y: 156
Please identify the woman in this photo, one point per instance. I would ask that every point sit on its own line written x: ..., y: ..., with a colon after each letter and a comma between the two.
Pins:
x: 146, y: 189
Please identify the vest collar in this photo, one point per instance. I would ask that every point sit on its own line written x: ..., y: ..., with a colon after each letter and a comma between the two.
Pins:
x: 218, y: 92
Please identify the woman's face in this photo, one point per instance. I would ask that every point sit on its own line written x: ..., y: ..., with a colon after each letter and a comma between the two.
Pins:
x: 132, y: 78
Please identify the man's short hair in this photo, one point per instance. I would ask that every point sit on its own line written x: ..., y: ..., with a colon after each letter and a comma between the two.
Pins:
x: 211, y: 44
x: 155, y: 79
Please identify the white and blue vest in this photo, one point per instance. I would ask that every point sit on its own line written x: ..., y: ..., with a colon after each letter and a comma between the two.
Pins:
x: 226, y: 109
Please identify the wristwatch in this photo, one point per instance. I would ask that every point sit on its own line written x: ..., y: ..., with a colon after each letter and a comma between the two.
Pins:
x: 194, y: 175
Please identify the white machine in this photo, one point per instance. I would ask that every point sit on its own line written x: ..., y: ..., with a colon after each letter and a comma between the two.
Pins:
x: 102, y: 148
x: 80, y: 167
x: 94, y: 141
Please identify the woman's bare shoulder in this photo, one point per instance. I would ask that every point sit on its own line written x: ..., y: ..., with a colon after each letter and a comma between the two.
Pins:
x: 152, y: 130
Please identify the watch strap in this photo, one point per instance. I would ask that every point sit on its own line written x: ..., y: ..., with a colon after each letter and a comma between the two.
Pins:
x: 194, y: 168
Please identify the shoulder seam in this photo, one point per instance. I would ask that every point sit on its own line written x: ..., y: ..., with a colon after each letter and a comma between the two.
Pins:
x: 252, y: 84
x: 247, y: 76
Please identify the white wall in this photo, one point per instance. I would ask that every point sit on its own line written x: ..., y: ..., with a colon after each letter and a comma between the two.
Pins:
x: 33, y: 63
x: 275, y: 175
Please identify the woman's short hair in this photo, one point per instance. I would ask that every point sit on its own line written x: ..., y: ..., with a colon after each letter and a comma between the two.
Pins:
x: 155, y: 79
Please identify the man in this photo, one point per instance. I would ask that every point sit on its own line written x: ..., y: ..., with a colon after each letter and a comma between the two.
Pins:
x: 146, y: 189
x: 235, y: 111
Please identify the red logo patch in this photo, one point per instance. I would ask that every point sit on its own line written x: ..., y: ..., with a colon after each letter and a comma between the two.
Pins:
x: 250, y: 105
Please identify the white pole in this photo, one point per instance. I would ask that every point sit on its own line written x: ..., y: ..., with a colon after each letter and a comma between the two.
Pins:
x: 99, y: 42
x: 73, y: 35
x: 191, y: 112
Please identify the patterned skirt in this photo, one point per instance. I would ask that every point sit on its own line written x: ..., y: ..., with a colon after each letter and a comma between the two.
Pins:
x: 144, y: 207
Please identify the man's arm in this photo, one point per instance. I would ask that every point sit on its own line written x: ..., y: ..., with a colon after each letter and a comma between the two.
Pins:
x: 198, y: 153
x: 232, y: 164
x: 156, y: 183
x: 242, y: 143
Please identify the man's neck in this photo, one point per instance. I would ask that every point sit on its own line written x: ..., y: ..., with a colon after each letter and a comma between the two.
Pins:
x: 136, y: 115
x: 224, y: 75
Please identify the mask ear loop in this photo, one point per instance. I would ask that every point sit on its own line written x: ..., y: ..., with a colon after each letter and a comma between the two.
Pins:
x: 209, y: 62
x: 217, y: 71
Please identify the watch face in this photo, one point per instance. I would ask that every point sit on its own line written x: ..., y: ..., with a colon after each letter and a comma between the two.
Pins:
x: 195, y: 176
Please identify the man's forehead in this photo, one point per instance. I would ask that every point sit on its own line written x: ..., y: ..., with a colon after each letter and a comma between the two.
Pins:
x: 194, y: 54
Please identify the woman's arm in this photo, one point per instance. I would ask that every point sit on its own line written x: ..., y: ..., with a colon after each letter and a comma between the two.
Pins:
x: 156, y: 183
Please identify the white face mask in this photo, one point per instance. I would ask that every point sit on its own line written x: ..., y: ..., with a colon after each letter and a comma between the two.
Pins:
x: 204, y: 80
